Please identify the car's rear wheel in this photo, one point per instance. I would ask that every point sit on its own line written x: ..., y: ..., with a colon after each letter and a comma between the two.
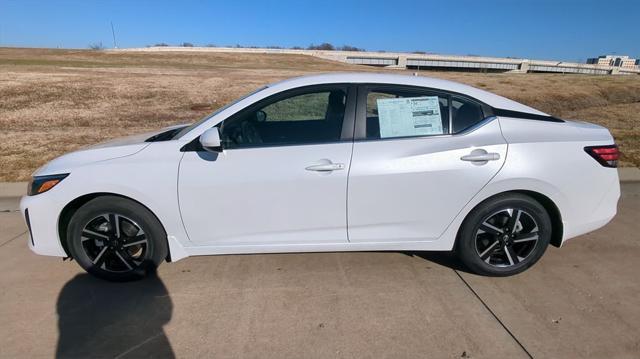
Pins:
x: 116, y: 239
x: 504, y: 235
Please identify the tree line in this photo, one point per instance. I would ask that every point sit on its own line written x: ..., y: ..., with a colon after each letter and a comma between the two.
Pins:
x: 322, y: 46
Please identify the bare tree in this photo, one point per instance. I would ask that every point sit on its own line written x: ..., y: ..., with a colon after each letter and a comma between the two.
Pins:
x: 323, y: 46
x: 350, y: 48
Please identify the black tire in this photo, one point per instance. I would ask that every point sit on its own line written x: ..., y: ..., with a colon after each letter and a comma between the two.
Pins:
x: 483, y: 245
x: 116, y: 239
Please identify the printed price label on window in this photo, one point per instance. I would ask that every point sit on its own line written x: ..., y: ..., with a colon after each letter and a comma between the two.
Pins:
x: 409, y: 116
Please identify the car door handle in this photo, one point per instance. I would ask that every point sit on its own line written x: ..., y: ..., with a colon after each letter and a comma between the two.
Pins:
x: 481, y: 156
x: 326, y: 167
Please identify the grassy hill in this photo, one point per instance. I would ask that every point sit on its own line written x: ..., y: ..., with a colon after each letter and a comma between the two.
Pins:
x: 54, y: 101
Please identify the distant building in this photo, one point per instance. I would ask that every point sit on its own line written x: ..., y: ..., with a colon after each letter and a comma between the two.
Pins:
x: 614, y: 60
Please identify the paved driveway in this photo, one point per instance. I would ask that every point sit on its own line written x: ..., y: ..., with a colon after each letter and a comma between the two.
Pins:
x: 578, y: 301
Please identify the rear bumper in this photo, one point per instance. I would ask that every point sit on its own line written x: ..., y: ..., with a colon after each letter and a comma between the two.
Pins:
x: 43, y: 226
x: 600, y: 215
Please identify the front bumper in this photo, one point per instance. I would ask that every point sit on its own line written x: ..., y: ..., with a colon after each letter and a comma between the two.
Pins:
x: 41, y: 214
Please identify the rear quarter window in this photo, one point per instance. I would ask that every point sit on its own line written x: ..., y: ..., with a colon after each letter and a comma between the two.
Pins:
x: 465, y: 114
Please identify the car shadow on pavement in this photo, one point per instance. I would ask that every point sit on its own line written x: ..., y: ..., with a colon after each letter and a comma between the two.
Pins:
x: 104, y: 319
x: 446, y: 259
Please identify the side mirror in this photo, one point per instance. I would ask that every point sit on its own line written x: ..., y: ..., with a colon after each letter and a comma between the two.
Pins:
x: 210, y: 140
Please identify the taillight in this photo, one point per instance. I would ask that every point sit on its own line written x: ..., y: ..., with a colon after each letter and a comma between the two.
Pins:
x: 605, y: 155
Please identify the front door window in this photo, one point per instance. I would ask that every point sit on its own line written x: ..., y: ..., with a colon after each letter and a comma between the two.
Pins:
x: 308, y: 118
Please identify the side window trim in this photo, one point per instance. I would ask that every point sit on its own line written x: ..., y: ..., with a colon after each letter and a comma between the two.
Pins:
x: 450, y: 105
x: 349, y: 120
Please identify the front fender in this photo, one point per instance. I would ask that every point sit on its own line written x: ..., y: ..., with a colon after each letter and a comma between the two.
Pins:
x: 148, y: 177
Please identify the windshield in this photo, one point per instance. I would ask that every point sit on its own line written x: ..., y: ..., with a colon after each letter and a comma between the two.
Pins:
x: 185, y: 130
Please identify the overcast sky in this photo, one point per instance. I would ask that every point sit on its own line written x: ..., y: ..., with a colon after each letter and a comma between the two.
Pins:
x: 541, y: 29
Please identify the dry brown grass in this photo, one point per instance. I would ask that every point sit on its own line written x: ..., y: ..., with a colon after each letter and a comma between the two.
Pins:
x: 54, y: 101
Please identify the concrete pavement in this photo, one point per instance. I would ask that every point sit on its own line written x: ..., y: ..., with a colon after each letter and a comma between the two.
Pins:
x: 578, y: 301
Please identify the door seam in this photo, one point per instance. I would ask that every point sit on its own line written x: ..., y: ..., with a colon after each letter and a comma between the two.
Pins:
x: 353, y: 143
x: 346, y: 201
x: 184, y: 227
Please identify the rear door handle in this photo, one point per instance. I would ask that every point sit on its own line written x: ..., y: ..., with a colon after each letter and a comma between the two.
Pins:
x: 480, y: 155
x: 326, y: 167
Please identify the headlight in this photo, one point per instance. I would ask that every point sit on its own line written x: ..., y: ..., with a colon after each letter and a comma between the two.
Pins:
x: 41, y: 184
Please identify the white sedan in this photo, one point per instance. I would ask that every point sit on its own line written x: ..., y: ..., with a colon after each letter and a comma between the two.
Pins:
x: 335, y: 162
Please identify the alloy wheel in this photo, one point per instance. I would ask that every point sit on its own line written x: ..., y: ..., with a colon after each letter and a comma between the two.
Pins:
x: 114, y: 243
x: 507, y: 237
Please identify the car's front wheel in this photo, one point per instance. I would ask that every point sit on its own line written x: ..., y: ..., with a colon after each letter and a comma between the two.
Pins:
x: 116, y: 239
x: 504, y: 235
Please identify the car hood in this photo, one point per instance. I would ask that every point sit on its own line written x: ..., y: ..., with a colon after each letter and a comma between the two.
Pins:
x: 120, y: 147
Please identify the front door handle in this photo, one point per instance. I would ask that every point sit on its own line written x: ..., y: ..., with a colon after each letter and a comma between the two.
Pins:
x: 480, y: 156
x: 327, y: 166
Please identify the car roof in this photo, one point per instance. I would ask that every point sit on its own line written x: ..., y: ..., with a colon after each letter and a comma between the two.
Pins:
x: 489, y: 98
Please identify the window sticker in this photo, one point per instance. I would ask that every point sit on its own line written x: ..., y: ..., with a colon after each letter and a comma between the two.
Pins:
x: 409, y: 116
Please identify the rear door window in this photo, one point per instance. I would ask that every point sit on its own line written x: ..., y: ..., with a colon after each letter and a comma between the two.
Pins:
x: 400, y: 113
